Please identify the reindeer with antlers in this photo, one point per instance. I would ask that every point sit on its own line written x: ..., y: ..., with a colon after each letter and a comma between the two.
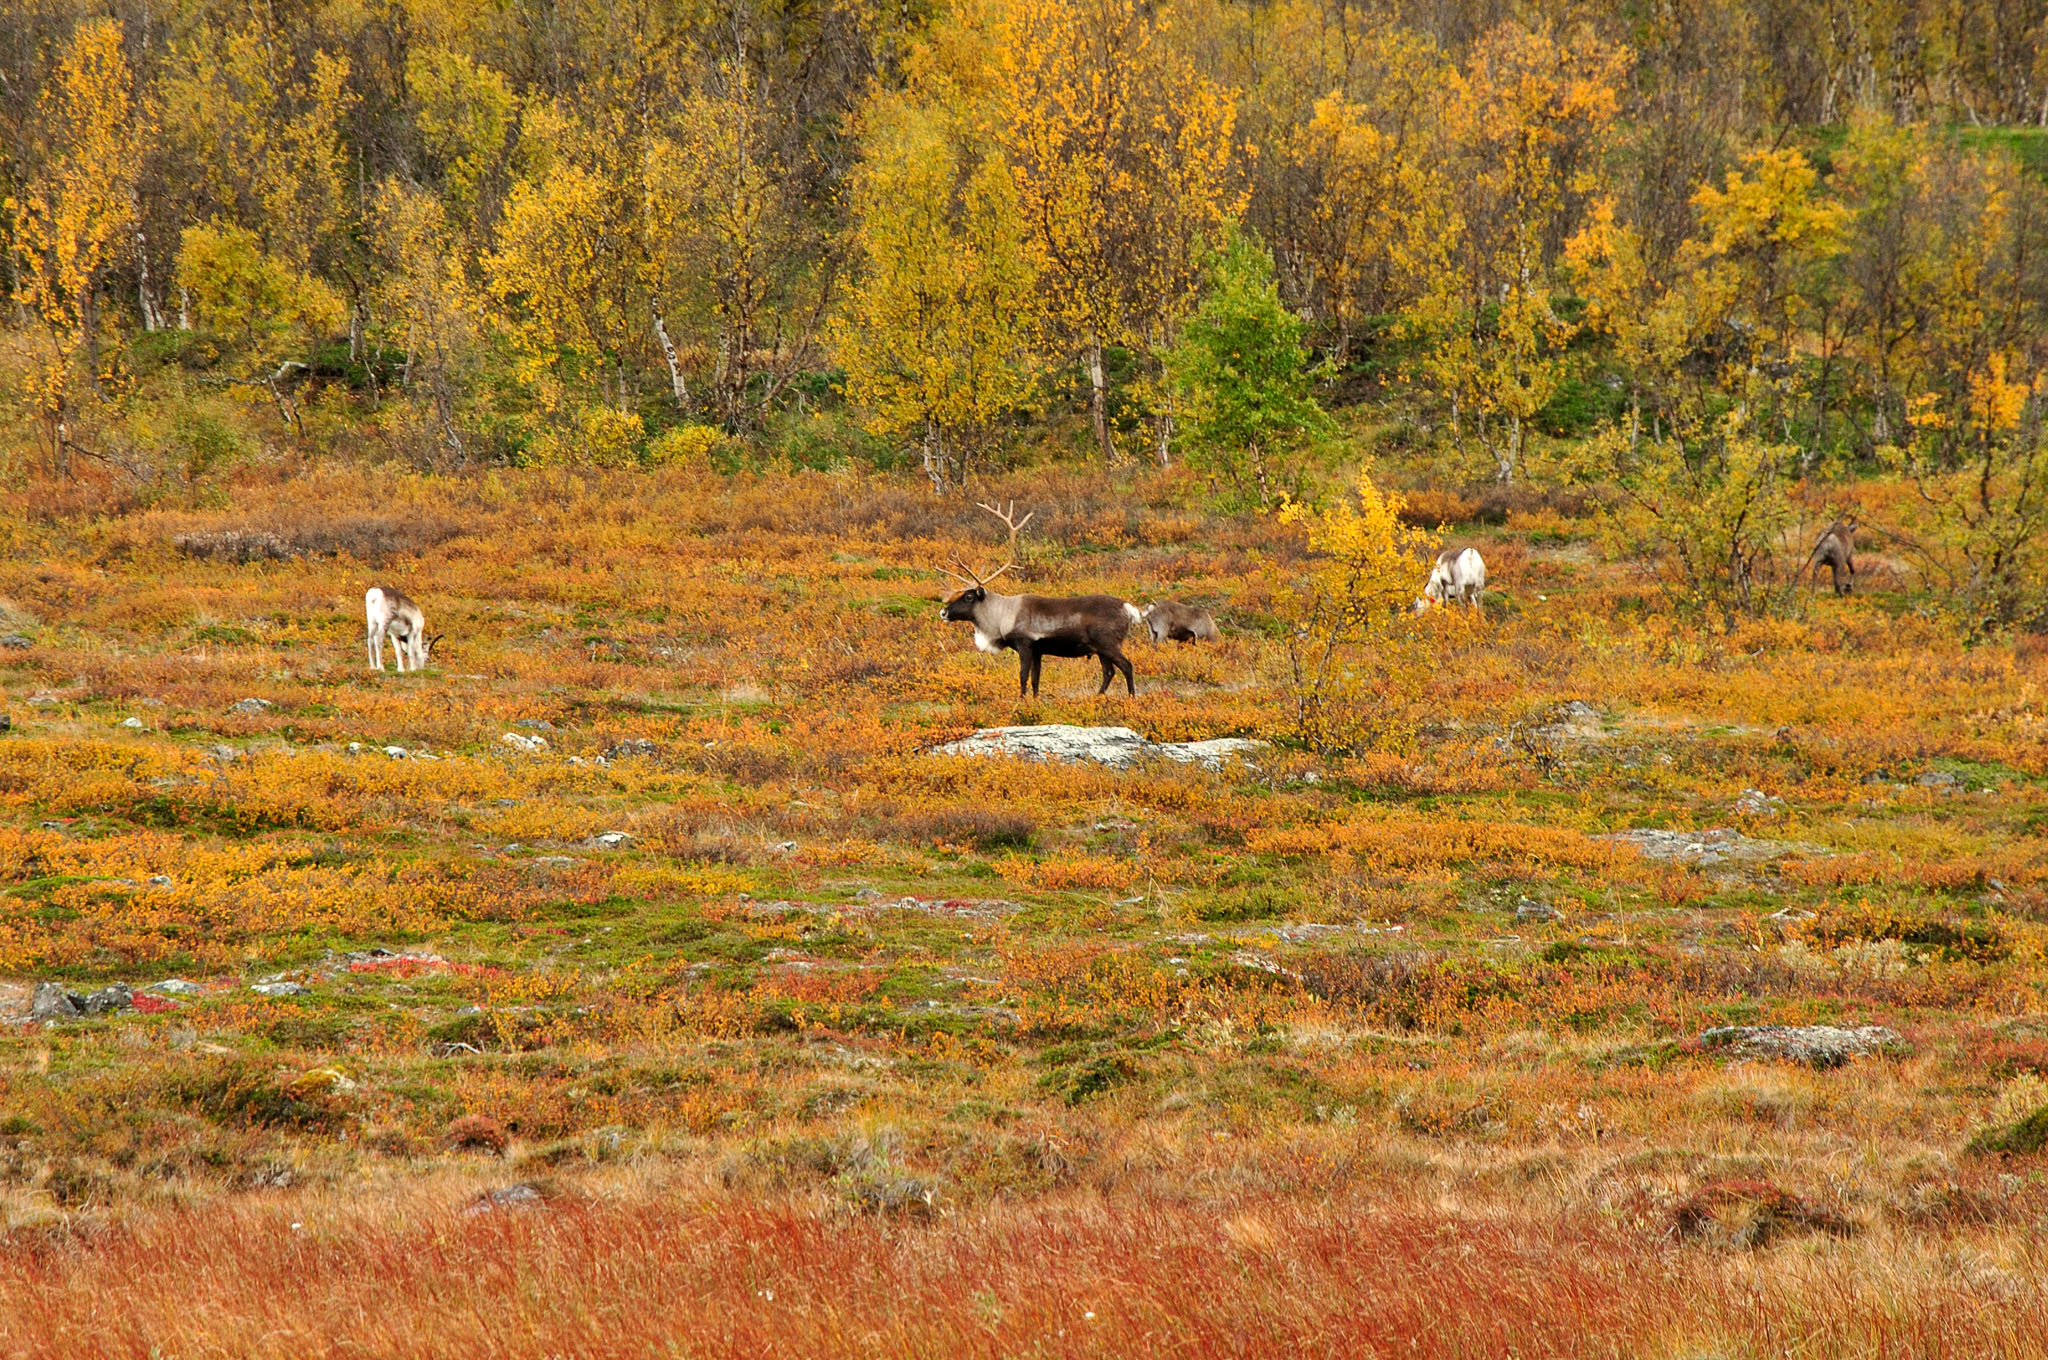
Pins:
x: 1039, y: 626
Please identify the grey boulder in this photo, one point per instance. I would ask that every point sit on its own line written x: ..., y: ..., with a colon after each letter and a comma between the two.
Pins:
x: 1117, y: 747
x: 52, y: 1002
x: 1814, y: 1045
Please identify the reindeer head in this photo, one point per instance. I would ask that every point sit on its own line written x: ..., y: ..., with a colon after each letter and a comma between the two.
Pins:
x: 960, y: 609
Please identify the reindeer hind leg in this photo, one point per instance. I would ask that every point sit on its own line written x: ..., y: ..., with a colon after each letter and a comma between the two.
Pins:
x: 1114, y: 660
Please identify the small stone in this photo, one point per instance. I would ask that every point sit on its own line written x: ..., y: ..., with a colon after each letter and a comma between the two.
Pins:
x: 43, y: 700
x: 397, y: 753
x: 1757, y: 803
x: 107, y: 1000
x: 251, y: 706
x: 355, y: 748
x: 6, y: 722
x: 784, y: 847
x: 16, y: 640
x: 1938, y: 779
x: 612, y: 840
x: 541, y: 724
x: 279, y: 989
x: 175, y: 987
x: 52, y: 1002
x: 131, y: 722
x: 868, y: 895
x: 53, y: 826
x: 512, y: 1199
x: 631, y: 746
x: 1529, y: 909
x: 226, y: 755
x: 527, y: 744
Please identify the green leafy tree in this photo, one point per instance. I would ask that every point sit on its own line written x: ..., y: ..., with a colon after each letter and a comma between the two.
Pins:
x: 1242, y: 371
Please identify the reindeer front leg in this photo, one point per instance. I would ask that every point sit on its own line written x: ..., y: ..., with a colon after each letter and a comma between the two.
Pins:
x: 376, y: 648
x: 1027, y: 670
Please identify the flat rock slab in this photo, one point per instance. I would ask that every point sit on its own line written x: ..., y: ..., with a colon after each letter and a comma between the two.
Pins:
x: 1814, y: 1045
x: 980, y: 908
x: 1707, y: 848
x: 1117, y: 747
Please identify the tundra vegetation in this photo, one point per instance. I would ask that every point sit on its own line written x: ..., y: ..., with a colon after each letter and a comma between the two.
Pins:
x: 634, y: 977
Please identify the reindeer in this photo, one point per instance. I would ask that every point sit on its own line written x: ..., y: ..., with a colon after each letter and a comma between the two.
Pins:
x: 390, y: 614
x: 1170, y: 619
x: 1459, y: 574
x: 1039, y: 626
x: 1837, y: 551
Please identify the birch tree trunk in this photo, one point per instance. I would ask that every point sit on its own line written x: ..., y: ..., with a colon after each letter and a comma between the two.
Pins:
x: 1098, y: 404
x: 676, y: 382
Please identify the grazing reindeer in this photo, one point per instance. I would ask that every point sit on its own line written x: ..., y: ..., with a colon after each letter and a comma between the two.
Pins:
x: 1837, y: 551
x: 1170, y: 619
x: 1039, y: 626
x: 390, y: 614
x: 1459, y: 574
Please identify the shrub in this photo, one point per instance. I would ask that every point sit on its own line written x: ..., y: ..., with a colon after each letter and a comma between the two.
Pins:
x: 478, y: 1133
x: 683, y: 446
x: 2018, y: 1124
x: 983, y: 828
x: 1354, y: 670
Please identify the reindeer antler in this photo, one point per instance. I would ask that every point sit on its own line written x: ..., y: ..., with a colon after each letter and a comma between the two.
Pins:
x: 1008, y: 515
x: 972, y: 578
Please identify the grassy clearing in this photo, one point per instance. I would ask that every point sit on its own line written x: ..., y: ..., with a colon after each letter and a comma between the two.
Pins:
x: 852, y: 1024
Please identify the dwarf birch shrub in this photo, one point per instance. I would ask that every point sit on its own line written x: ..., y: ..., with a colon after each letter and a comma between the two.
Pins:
x: 1356, y: 663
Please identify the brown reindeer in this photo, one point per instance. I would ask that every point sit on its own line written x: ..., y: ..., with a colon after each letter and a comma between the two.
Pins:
x: 1836, y: 550
x: 1039, y: 626
x: 1170, y: 620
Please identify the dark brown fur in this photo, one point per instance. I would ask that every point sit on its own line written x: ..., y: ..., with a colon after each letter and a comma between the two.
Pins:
x: 1039, y: 626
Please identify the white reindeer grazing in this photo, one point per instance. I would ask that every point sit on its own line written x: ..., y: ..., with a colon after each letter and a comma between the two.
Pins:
x: 1459, y: 574
x: 389, y: 614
